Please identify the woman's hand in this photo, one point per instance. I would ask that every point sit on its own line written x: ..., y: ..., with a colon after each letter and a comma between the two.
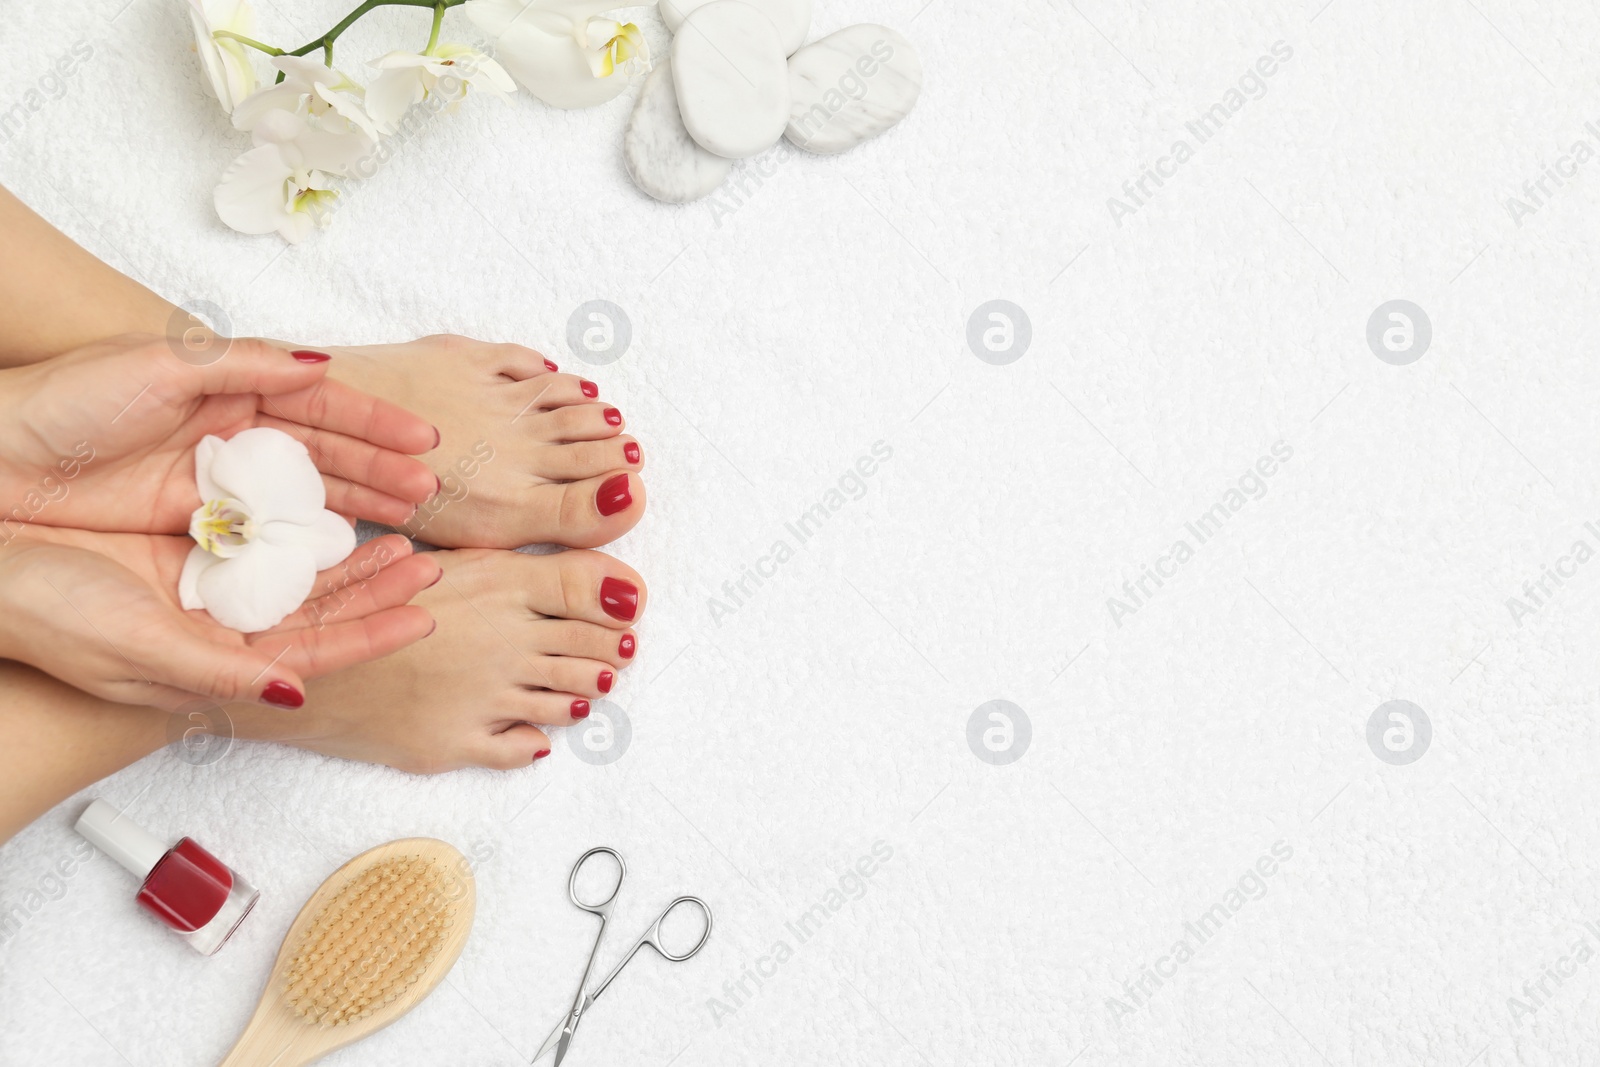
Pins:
x: 103, y: 438
x: 100, y: 612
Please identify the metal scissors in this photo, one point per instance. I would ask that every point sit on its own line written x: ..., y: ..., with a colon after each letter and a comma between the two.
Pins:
x: 560, y: 1038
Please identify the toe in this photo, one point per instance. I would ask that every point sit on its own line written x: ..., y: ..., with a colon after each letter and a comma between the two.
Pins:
x: 516, y: 746
x: 584, y: 586
x: 516, y: 362
x: 587, y: 459
x: 587, y: 513
x: 549, y: 392
x: 567, y: 637
x: 590, y: 678
x: 578, y: 422
x: 547, y: 708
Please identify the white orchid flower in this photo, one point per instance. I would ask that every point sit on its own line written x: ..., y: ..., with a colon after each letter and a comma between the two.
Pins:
x: 270, y: 189
x: 446, y: 70
x: 317, y: 108
x: 262, y: 533
x: 563, y: 51
x: 225, y: 61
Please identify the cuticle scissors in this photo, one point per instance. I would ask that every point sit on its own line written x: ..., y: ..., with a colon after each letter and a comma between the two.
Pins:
x: 561, y: 1037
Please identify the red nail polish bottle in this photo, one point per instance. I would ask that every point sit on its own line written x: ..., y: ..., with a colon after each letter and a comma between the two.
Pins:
x: 184, y: 886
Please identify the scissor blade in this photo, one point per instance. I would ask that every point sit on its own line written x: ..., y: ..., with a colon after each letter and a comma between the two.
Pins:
x: 549, y: 1042
x: 561, y: 1036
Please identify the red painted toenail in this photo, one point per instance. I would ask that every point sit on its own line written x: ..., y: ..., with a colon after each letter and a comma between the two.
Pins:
x: 613, y: 496
x: 630, y: 452
x: 620, y: 599
x: 603, y: 683
x: 613, y: 417
x: 625, y: 647
x: 590, y: 389
x: 308, y: 356
x: 550, y: 366
x: 284, y: 695
x: 580, y: 709
x: 541, y: 754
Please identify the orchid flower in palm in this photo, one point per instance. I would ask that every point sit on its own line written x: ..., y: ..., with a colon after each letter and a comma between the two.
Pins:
x: 261, y: 531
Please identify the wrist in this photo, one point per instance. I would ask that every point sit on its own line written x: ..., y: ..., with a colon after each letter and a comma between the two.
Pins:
x: 14, y: 387
x: 15, y: 621
x: 28, y: 633
x: 36, y: 464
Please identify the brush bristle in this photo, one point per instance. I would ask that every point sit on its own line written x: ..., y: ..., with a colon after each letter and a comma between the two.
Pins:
x: 373, y: 939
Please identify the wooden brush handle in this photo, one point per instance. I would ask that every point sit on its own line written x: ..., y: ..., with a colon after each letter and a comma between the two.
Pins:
x: 276, y: 1038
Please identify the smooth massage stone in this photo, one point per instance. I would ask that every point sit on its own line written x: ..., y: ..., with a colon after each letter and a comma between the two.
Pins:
x: 792, y: 18
x: 732, y: 81
x: 851, y: 86
x: 662, y: 158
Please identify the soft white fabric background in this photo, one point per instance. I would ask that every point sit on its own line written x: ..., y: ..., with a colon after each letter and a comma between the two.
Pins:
x: 772, y: 348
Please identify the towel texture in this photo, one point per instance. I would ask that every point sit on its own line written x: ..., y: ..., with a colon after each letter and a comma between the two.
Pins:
x: 1197, y: 535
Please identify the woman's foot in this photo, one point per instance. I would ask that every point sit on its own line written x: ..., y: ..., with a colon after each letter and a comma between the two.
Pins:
x: 526, y: 455
x: 522, y: 641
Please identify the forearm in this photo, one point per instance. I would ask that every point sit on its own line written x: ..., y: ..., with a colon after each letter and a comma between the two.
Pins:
x: 54, y: 296
x: 58, y: 740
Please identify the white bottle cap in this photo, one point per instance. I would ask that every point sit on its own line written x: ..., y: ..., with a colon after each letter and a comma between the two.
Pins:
x: 121, y: 838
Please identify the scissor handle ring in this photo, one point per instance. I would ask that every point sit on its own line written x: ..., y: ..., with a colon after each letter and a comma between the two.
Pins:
x: 655, y: 930
x: 601, y: 907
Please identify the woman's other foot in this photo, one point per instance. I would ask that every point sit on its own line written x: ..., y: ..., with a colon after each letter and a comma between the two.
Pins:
x: 527, y: 455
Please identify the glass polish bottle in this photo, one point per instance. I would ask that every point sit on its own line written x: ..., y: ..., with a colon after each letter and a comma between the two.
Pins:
x: 192, y: 892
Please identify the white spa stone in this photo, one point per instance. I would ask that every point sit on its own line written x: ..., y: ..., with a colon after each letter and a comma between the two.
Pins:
x: 732, y: 81
x: 662, y: 158
x: 792, y: 18
x: 851, y: 86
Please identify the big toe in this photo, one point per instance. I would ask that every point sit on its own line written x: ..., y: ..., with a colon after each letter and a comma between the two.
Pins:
x: 585, y: 586
x: 589, y: 512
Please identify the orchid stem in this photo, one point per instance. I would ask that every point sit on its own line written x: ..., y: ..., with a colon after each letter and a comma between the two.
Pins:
x: 433, y: 36
x: 325, y: 41
x: 249, y: 42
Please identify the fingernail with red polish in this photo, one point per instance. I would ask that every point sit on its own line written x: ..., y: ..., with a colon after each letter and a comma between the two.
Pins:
x: 603, y: 683
x: 283, y: 695
x: 438, y: 436
x: 625, y: 647
x: 541, y: 754
x: 590, y: 389
x: 613, y: 417
x: 438, y: 485
x: 550, y: 366
x: 305, y: 355
x: 630, y: 452
x: 580, y: 709
x: 613, y: 495
x: 437, y: 578
x: 620, y: 599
